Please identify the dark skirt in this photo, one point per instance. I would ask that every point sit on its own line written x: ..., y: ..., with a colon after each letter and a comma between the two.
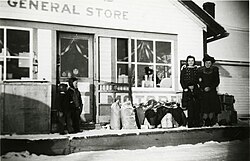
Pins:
x: 210, y: 102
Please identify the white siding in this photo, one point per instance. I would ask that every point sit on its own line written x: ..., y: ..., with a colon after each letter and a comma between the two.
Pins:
x: 236, y: 83
x: 44, y: 54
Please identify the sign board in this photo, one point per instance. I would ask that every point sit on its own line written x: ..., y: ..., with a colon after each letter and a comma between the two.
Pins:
x: 139, y: 15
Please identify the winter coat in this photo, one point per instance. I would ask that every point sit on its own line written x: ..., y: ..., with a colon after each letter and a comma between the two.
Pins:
x: 188, y: 75
x: 209, y: 77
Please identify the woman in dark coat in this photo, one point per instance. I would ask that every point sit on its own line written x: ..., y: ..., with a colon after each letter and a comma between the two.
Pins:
x: 209, y: 80
x: 190, y: 97
x: 74, y: 100
x: 189, y: 73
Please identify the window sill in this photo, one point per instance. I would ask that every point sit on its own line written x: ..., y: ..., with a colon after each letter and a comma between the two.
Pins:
x: 24, y: 81
x: 152, y: 90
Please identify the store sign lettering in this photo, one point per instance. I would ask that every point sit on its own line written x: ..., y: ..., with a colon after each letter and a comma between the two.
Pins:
x: 100, y: 12
x: 68, y: 9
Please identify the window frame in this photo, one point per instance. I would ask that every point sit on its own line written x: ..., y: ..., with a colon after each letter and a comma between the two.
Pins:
x: 30, y: 57
x: 154, y: 63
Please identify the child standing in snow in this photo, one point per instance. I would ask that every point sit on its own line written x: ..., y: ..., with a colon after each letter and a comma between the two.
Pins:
x: 192, y: 101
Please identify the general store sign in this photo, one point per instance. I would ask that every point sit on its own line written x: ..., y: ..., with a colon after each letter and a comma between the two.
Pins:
x: 138, y: 15
x: 67, y: 8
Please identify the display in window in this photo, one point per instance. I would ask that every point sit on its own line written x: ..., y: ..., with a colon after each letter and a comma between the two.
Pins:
x: 145, y: 76
x: 163, y: 76
x: 148, y: 77
x: 144, y: 51
x: 163, y: 52
x: 150, y: 63
x: 122, y: 73
x: 15, y: 56
x: 74, y: 57
x: 17, y: 71
x: 23, y: 63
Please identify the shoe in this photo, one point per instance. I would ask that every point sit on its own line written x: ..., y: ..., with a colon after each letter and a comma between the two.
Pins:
x: 207, y: 122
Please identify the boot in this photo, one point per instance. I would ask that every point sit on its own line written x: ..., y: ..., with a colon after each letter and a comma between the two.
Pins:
x: 207, y: 122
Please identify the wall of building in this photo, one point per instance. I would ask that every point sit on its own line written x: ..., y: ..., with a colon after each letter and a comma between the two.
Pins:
x: 109, y: 19
x: 25, y: 107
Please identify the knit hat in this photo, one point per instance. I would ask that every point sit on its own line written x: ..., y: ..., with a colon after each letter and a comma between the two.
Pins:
x: 208, y: 58
x: 71, y: 80
x: 62, y: 87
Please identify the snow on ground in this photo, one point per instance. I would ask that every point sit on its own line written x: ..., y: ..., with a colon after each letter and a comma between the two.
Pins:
x: 233, y: 151
x: 237, y: 150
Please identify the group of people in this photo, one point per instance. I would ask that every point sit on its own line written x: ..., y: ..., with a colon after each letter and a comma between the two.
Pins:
x: 199, y: 91
x: 69, y: 107
x: 199, y: 96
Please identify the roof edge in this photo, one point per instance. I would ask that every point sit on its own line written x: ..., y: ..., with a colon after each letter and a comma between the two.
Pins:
x: 217, y: 31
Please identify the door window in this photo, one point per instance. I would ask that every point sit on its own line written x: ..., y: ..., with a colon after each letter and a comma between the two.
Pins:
x: 74, y: 57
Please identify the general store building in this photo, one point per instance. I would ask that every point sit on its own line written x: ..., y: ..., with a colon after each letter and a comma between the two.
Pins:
x: 98, y: 41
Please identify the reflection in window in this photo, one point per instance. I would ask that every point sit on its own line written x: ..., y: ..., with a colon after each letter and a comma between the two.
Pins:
x: 74, y: 57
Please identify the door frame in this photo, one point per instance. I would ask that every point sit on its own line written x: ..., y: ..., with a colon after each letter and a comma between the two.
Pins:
x: 90, y: 117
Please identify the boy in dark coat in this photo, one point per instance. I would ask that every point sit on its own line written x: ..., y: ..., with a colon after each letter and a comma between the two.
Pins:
x: 65, y: 122
x: 191, y: 100
x: 75, y: 104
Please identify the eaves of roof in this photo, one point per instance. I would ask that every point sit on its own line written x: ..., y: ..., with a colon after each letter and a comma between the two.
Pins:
x: 215, y: 31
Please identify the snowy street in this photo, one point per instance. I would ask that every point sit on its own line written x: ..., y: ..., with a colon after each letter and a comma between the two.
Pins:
x: 233, y: 151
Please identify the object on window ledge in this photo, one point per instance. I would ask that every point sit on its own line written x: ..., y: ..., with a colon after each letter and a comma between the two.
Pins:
x: 122, y: 78
x: 147, y: 84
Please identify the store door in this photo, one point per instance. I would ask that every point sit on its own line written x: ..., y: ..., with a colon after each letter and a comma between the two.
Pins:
x: 75, y: 58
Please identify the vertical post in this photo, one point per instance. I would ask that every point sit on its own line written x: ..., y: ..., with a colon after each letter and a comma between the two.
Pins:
x: 130, y: 71
x: 204, y: 43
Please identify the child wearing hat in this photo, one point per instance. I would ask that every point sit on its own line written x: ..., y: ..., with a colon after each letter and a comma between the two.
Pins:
x: 74, y: 100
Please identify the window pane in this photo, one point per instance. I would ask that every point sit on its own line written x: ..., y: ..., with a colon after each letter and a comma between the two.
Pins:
x: 122, y: 50
x: 141, y: 74
x: 133, y: 75
x: 163, y: 52
x: 144, y: 51
x: 1, y: 42
x: 74, y: 57
x: 122, y: 73
x: 17, y: 68
x: 163, y: 76
x: 18, y: 42
x: 1, y: 45
x: 1, y: 70
x: 133, y: 50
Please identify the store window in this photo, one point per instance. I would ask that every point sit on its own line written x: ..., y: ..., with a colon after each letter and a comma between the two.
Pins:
x: 17, y: 60
x: 151, y: 63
